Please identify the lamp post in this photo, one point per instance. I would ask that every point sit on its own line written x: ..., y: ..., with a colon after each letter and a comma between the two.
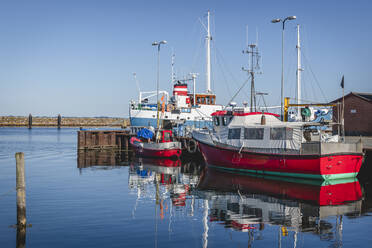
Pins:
x: 158, y: 43
x: 289, y: 18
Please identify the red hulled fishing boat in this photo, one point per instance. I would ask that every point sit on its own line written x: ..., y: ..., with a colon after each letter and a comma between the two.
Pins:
x: 162, y: 147
x: 255, y: 142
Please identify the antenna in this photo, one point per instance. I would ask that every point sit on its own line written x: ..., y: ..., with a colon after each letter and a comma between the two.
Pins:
x: 253, y: 68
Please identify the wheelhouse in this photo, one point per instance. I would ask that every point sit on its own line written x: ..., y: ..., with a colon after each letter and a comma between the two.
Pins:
x: 166, y: 136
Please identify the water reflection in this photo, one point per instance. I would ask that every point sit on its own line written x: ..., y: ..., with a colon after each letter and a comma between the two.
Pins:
x: 104, y: 157
x: 244, y: 203
x: 247, y: 203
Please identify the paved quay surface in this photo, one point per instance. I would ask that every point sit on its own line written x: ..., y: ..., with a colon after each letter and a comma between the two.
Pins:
x: 367, y: 141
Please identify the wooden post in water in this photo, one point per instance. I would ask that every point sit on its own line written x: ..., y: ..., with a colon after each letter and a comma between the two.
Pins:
x: 21, y: 237
x: 29, y: 121
x: 126, y: 142
x: 21, y: 189
x: 59, y: 121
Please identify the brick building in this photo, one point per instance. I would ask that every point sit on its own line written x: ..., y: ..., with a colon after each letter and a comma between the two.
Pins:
x: 358, y: 114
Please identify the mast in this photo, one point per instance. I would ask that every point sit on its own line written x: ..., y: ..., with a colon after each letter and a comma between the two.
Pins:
x: 252, y: 50
x: 138, y: 88
x: 208, y: 69
x: 298, y: 74
x: 193, y: 76
x: 253, y: 95
x: 173, y: 77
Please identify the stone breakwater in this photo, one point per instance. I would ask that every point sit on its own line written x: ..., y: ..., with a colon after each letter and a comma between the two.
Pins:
x: 23, y: 121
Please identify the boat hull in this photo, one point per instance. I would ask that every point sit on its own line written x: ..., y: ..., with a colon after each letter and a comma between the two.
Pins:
x: 323, y: 167
x: 152, y: 151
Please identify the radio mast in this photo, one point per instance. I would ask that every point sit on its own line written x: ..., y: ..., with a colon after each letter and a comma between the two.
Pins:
x: 253, y: 68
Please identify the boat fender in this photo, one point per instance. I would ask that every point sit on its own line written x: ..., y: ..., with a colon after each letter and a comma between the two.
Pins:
x: 192, y: 146
x: 184, y: 144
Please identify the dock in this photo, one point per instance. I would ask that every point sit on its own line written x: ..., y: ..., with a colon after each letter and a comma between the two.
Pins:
x: 103, y: 139
x: 366, y: 141
x: 119, y: 140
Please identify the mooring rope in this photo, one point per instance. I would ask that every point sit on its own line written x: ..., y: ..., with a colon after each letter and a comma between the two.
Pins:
x: 7, y: 193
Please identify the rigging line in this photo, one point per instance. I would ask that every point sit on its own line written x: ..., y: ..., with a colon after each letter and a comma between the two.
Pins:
x: 246, y: 81
x: 316, y: 80
x: 7, y: 193
x: 222, y: 72
x: 197, y: 50
x: 231, y: 75
x: 201, y: 113
x: 314, y: 93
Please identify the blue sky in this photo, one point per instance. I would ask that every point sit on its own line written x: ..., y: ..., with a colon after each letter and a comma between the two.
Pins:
x: 77, y: 58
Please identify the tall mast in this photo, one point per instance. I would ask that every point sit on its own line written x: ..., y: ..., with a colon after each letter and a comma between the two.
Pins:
x: 299, y: 69
x: 208, y: 70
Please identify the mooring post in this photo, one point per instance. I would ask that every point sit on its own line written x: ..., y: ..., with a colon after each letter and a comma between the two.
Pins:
x: 59, y: 121
x: 21, y: 237
x: 29, y: 121
x: 21, y: 189
x: 126, y: 142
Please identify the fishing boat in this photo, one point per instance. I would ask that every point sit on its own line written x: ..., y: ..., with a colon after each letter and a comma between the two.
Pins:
x: 260, y: 143
x: 163, y: 146
x: 244, y: 140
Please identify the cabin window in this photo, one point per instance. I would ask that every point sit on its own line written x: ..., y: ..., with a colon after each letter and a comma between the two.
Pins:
x: 166, y: 136
x: 234, y: 133
x: 281, y: 133
x: 216, y: 121
x: 224, y: 121
x: 253, y: 133
x: 208, y: 100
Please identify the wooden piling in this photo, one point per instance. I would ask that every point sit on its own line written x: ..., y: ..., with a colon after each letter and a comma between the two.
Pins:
x: 59, y: 121
x: 126, y: 142
x: 29, y: 121
x: 21, y: 237
x: 21, y: 189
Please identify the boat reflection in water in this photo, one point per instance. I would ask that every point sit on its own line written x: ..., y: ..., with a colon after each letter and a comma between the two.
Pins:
x: 167, y: 177
x: 245, y: 202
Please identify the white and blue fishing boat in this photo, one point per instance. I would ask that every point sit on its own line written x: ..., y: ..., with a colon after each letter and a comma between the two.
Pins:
x: 183, y: 107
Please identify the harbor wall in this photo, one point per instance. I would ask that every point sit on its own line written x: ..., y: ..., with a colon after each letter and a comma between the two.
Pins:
x: 23, y: 121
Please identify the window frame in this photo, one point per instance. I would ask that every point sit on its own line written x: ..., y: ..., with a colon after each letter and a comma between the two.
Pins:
x: 288, y: 133
x: 259, y: 135
x: 232, y: 135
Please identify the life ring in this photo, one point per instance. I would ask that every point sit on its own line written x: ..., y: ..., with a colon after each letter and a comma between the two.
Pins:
x: 192, y: 146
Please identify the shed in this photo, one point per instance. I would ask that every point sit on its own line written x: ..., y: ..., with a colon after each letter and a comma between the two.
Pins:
x: 358, y: 114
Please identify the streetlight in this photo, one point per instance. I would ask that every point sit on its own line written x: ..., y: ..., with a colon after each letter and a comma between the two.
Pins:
x: 289, y: 18
x: 158, y: 43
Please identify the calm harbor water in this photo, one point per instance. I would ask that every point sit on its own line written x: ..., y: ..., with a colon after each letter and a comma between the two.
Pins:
x: 97, y: 199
